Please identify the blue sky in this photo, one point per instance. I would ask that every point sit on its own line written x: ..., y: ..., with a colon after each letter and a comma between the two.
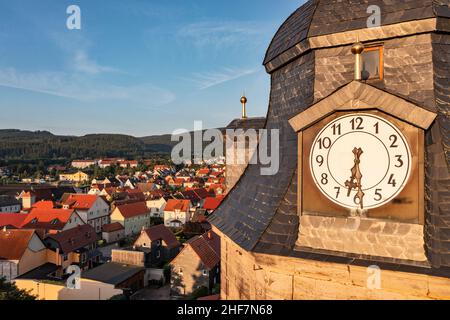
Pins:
x: 138, y: 67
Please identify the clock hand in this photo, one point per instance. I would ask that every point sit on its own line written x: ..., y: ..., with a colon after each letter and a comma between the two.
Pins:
x: 356, y: 175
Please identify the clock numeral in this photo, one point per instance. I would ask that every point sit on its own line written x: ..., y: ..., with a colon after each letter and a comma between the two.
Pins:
x: 357, y: 123
x: 324, y: 143
x: 377, y: 128
x: 392, y: 181
x: 338, y: 191
x: 357, y: 200
x: 394, y: 139
x: 324, y: 180
x: 319, y: 160
x: 378, y: 195
x: 336, y: 129
x: 400, y: 161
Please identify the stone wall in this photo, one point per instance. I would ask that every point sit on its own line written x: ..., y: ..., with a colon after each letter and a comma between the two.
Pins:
x: 265, y: 277
x: 370, y: 237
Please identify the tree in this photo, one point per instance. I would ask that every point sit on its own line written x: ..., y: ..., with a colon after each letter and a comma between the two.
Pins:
x: 9, y: 291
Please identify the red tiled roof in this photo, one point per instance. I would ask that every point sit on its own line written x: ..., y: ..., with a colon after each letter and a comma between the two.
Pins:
x: 175, y: 204
x: 12, y: 220
x: 51, y: 219
x: 205, y: 252
x: 112, y: 227
x: 44, y: 205
x: 75, y: 238
x: 81, y: 201
x: 13, y: 243
x: 212, y: 203
x: 162, y: 232
x: 203, y: 171
x: 130, y: 210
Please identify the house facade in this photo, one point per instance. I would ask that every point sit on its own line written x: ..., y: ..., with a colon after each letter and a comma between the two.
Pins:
x: 9, y: 204
x: 20, y: 252
x: 74, y: 246
x: 177, y: 213
x: 79, y: 177
x: 197, y: 265
x: 159, y: 244
x: 91, y: 208
x: 132, y: 216
x: 156, y: 207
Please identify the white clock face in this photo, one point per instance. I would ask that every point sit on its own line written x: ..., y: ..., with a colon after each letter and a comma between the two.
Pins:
x: 360, y: 161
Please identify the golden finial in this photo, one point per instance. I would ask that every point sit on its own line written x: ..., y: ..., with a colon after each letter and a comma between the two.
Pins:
x: 357, y: 49
x: 244, y: 103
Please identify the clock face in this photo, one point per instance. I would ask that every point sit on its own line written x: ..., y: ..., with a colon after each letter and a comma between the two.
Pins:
x: 360, y: 161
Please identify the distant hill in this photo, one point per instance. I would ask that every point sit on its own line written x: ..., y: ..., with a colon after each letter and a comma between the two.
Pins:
x: 29, y: 145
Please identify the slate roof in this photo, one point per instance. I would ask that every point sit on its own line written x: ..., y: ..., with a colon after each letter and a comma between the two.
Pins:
x: 75, y: 238
x: 322, y: 17
x: 112, y: 273
x: 248, y: 123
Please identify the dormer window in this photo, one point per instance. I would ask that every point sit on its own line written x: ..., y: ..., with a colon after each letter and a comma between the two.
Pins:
x: 35, y: 220
x: 372, y: 63
x: 54, y: 221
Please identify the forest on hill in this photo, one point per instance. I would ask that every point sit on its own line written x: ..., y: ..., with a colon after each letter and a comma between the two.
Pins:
x: 29, y: 145
x: 34, y: 145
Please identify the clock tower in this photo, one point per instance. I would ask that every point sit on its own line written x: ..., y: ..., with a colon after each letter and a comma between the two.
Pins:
x: 364, y: 180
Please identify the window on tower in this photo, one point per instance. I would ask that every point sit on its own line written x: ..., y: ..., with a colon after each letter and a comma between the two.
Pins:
x: 372, y: 68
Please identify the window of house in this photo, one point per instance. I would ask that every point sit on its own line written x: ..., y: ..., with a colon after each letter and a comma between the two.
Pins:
x: 158, y: 254
x: 65, y: 257
x: 180, y: 270
x: 205, y: 272
x: 373, y: 64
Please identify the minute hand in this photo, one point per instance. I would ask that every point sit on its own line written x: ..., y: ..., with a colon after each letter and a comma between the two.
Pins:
x: 356, y: 175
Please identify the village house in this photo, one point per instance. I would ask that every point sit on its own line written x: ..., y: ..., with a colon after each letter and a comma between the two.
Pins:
x: 177, y: 213
x: 20, y: 252
x: 51, y: 220
x: 9, y: 204
x: 156, y: 207
x: 74, y: 246
x: 83, y: 164
x: 197, y: 265
x: 113, y: 232
x: 127, y: 163
x: 159, y: 244
x: 93, y: 209
x: 78, y: 177
x: 133, y: 216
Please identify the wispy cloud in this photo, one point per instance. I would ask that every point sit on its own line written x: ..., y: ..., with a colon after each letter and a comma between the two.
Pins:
x: 207, y: 80
x: 82, y: 88
x: 82, y: 63
x: 220, y: 34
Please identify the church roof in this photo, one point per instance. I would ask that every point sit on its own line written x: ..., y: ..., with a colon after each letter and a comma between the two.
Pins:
x: 323, y: 17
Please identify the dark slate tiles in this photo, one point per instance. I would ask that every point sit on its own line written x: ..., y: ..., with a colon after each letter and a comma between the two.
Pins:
x: 251, y: 205
x: 322, y: 17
